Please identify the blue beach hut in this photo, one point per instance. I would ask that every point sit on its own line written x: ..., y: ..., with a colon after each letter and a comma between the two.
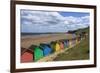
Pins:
x: 66, y: 43
x: 46, y: 49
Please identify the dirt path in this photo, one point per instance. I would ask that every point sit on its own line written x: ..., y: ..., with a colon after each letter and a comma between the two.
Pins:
x: 51, y: 57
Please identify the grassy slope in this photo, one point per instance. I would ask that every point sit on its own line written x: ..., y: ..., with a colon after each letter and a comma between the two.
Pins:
x: 79, y: 52
x: 82, y: 30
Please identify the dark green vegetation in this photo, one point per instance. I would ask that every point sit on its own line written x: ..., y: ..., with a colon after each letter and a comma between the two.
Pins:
x: 78, y: 52
x: 82, y: 30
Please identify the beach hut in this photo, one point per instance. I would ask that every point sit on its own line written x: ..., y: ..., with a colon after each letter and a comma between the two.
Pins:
x: 46, y: 49
x: 74, y: 39
x: 77, y: 40
x: 66, y: 43
x: 61, y: 43
x: 26, y: 55
x: 81, y: 36
x: 57, y: 46
x: 84, y: 34
x: 37, y: 51
x: 53, y: 45
x: 70, y: 42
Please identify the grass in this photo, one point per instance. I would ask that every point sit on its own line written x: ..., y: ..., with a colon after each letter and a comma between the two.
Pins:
x: 78, y: 52
x: 82, y: 30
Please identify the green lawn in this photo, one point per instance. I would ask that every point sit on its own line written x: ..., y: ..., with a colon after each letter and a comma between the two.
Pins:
x: 79, y: 52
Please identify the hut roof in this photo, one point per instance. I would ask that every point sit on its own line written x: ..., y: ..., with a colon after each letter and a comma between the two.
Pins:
x: 32, y: 47
x: 44, y: 45
x: 23, y: 50
x: 53, y: 42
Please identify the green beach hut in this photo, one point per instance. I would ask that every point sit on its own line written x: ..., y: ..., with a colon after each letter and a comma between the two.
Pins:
x: 37, y: 51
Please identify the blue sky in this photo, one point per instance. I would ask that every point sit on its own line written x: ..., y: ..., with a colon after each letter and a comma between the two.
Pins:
x: 75, y: 14
x: 45, y: 21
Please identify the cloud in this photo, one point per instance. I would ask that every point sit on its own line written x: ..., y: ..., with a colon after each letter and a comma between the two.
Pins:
x: 77, y: 22
x: 40, y: 21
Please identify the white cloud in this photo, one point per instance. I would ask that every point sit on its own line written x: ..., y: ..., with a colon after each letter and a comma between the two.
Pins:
x: 42, y: 21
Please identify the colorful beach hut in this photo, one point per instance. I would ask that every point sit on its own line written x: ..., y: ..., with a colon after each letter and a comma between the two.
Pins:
x: 57, y: 46
x: 26, y: 55
x: 53, y: 45
x: 73, y: 41
x: 78, y: 39
x: 81, y: 36
x: 70, y: 42
x: 46, y: 49
x: 61, y: 43
x: 37, y: 51
x: 66, y: 43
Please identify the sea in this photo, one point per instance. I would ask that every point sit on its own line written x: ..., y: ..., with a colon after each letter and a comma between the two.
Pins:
x: 29, y: 35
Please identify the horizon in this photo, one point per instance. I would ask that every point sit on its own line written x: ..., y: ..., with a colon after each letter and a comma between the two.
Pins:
x: 54, y: 32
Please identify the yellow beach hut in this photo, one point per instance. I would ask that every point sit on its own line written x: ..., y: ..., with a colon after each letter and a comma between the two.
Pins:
x: 57, y: 47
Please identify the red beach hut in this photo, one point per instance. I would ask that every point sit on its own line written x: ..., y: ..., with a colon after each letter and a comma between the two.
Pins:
x: 26, y: 55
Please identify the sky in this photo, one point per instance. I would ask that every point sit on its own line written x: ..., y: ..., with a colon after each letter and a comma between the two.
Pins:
x: 51, y: 21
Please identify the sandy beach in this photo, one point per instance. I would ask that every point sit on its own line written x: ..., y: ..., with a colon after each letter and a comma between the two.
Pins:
x: 26, y: 42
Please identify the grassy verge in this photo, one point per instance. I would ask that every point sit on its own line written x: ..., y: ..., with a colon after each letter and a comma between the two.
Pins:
x: 78, y: 52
